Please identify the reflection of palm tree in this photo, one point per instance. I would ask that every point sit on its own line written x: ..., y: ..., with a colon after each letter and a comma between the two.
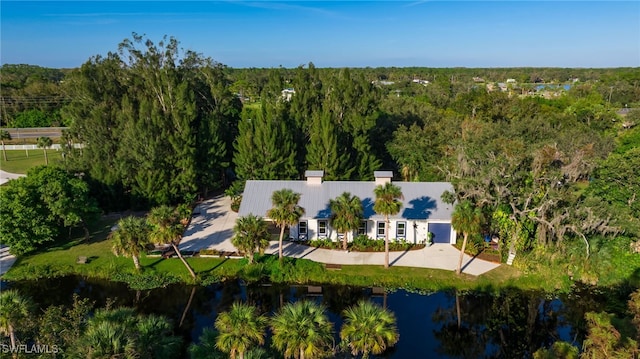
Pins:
x: 44, y: 143
x: 302, y: 330
x: 465, y: 218
x: 251, y: 234
x: 239, y: 329
x: 167, y: 229
x: 130, y: 238
x: 388, y: 204
x: 346, y: 214
x: 14, y: 309
x: 368, y: 328
x: 285, y: 211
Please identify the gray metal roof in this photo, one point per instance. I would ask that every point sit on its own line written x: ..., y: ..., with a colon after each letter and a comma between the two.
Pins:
x: 313, y: 173
x: 383, y: 174
x: 421, y: 199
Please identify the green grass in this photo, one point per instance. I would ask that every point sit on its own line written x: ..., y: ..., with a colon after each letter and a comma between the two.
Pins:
x: 18, y: 162
x: 102, y: 263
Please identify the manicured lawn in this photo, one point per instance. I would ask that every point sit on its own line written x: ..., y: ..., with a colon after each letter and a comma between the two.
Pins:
x: 18, y: 162
x: 102, y: 263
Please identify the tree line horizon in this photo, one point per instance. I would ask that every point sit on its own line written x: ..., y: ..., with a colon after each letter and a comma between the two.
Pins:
x: 166, y: 126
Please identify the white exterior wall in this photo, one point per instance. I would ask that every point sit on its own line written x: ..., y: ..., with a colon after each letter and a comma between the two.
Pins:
x: 415, y: 230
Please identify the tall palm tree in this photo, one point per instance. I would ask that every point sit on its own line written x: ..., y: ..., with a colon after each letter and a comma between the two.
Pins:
x: 466, y: 218
x: 388, y: 204
x: 44, y: 143
x: 130, y: 238
x: 368, y: 328
x: 285, y: 211
x: 251, y: 235
x: 4, y: 135
x: 302, y: 330
x: 346, y: 214
x: 167, y: 229
x: 239, y: 329
x: 14, y: 309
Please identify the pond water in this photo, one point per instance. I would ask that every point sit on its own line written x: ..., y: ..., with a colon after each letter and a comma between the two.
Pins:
x: 512, y: 324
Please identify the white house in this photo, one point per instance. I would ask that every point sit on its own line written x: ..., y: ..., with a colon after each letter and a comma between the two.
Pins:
x: 422, y: 211
x: 288, y: 93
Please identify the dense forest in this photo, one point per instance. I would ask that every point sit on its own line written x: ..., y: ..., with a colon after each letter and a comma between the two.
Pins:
x: 550, y: 155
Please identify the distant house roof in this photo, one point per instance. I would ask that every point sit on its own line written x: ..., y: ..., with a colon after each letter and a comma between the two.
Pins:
x: 421, y: 199
x: 624, y: 111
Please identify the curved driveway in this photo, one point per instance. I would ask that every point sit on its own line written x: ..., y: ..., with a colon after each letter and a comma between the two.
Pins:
x: 6, y: 176
x: 212, y: 228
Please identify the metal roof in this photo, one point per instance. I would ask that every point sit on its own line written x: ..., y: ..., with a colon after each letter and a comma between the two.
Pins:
x: 421, y: 199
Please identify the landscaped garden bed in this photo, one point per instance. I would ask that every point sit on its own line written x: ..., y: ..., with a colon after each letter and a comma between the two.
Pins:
x: 365, y: 244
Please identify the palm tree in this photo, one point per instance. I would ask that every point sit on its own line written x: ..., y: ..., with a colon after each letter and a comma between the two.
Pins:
x: 251, y: 235
x: 239, y: 329
x: 302, y: 330
x: 14, y: 309
x: 122, y: 333
x: 285, y: 211
x: 368, y: 328
x: 388, y: 204
x: 131, y: 238
x: 4, y: 135
x: 167, y: 229
x: 154, y: 338
x: 346, y: 214
x: 44, y: 143
x: 466, y: 218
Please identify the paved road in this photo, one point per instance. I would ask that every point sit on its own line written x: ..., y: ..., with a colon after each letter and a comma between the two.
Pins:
x: 212, y: 228
x: 6, y: 176
x: 6, y: 259
x: 18, y: 133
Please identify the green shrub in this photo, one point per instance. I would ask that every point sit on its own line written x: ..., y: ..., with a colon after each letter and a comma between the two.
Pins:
x: 144, y: 281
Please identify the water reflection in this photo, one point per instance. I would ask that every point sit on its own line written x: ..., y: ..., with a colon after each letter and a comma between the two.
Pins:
x: 512, y: 324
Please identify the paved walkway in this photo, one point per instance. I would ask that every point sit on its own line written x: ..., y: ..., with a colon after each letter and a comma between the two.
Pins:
x: 6, y: 259
x: 6, y: 176
x: 212, y: 228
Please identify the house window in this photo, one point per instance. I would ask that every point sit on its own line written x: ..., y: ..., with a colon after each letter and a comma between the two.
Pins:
x: 322, y: 229
x: 302, y: 230
x: 401, y: 229
x: 381, y: 229
x: 362, y: 228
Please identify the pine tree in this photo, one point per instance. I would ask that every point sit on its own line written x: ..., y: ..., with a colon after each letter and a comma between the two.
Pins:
x: 323, y: 150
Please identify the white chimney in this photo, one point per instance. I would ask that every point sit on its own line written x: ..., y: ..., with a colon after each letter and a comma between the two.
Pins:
x: 314, y: 177
x: 382, y: 177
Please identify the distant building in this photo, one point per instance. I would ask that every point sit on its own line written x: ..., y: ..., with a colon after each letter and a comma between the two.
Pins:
x: 478, y: 79
x: 421, y: 82
x: 383, y: 82
x: 288, y: 93
x: 511, y: 81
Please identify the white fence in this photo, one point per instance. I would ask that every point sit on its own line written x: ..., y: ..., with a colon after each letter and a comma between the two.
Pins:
x: 56, y: 147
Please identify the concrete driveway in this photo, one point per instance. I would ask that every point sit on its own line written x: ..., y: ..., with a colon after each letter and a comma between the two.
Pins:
x: 6, y: 176
x: 212, y: 228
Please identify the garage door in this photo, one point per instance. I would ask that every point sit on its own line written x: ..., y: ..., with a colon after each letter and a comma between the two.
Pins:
x: 441, y: 232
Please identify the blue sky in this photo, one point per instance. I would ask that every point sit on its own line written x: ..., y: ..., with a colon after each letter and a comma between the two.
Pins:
x: 333, y: 33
